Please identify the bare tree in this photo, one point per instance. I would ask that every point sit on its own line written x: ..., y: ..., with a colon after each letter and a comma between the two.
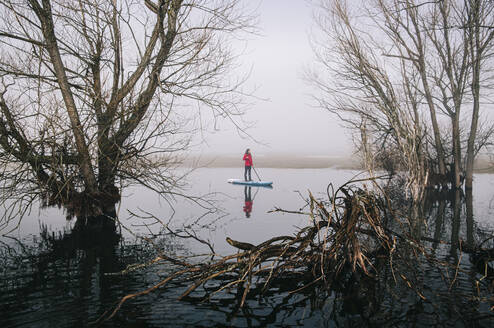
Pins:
x: 425, y: 51
x: 403, y: 25
x: 382, y: 107
x: 96, y: 95
x: 479, y: 28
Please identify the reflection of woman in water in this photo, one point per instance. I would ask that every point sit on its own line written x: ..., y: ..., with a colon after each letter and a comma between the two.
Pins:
x: 248, y: 201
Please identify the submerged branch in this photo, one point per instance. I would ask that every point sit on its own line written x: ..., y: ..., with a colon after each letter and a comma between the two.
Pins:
x: 346, y: 244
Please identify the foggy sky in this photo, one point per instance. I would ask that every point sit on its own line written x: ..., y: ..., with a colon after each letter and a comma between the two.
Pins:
x: 287, y: 122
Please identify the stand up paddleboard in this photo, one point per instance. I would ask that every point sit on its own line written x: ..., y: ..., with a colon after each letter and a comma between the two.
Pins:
x: 250, y: 183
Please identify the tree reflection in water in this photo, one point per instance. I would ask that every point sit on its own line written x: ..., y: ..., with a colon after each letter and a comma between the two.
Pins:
x: 69, y: 280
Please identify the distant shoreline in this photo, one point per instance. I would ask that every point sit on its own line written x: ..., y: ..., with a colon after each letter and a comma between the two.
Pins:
x: 275, y: 161
x: 297, y: 162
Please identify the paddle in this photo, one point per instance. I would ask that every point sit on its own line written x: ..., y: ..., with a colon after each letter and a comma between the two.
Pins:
x: 256, y: 172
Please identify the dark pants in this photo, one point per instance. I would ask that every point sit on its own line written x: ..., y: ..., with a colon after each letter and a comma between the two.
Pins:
x: 247, y: 172
x: 248, y: 193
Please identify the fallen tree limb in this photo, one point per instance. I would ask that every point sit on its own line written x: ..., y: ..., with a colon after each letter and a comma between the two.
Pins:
x: 346, y: 241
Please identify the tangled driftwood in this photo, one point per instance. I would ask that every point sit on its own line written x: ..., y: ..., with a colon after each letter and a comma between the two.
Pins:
x: 317, y: 253
x: 346, y: 235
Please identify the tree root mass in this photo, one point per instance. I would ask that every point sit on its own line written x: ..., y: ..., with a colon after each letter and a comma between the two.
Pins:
x: 346, y: 247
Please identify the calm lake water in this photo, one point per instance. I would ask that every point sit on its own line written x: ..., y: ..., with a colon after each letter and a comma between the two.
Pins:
x: 63, y: 284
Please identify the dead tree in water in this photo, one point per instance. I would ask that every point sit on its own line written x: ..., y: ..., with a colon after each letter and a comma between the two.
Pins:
x: 347, y: 240
x: 429, y: 66
x: 98, y: 95
x: 318, y: 254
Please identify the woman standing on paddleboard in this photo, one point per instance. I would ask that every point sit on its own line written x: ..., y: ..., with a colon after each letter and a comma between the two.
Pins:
x: 248, y: 164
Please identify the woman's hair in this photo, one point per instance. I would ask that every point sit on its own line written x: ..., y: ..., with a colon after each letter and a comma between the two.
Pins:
x: 247, y: 150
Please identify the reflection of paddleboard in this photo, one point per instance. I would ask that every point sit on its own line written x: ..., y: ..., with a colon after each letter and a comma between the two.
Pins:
x: 251, y: 183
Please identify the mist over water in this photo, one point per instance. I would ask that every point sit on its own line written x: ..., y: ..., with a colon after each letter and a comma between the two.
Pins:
x: 283, y: 117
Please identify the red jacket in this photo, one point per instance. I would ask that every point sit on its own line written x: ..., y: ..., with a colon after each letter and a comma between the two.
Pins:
x: 248, y: 159
x: 248, y: 207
